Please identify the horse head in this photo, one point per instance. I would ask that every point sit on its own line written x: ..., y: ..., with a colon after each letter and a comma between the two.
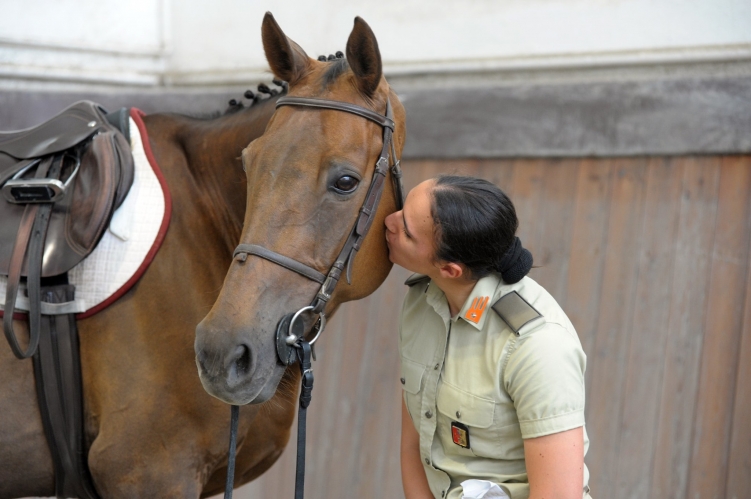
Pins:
x: 308, y: 177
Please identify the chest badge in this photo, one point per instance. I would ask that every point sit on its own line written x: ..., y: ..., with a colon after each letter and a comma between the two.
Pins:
x: 475, y: 311
x: 460, y: 434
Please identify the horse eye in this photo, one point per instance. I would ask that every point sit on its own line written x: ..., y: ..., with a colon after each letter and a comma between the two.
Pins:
x: 346, y: 184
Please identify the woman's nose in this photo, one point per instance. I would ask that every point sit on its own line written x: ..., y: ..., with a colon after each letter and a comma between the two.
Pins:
x: 390, y: 221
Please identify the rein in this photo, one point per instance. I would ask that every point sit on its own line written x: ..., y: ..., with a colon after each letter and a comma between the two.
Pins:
x: 290, y: 341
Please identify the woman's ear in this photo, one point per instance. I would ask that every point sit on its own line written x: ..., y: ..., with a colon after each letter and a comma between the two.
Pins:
x: 364, y: 57
x: 451, y: 270
x: 287, y: 60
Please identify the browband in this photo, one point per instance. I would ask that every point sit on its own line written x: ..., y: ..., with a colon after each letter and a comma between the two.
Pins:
x: 339, y: 106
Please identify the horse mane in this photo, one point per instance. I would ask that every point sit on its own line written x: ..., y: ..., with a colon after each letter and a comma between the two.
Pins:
x: 264, y: 93
x: 338, y: 66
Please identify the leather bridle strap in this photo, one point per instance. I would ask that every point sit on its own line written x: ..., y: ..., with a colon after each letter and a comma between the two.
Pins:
x: 288, y: 263
x: 385, y: 121
x: 345, y: 259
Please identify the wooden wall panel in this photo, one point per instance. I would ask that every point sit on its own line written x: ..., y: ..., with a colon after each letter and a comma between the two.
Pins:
x: 607, y: 359
x: 649, y: 258
x: 649, y: 332
x: 739, y: 465
x: 722, y: 332
x: 687, y: 309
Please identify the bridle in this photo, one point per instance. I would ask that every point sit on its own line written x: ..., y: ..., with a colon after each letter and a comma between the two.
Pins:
x: 290, y: 341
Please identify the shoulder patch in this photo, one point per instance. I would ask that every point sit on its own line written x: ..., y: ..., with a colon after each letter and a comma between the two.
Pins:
x: 416, y: 279
x: 515, y: 311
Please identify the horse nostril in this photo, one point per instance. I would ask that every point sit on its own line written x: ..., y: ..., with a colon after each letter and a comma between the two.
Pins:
x: 241, y: 365
x: 243, y: 362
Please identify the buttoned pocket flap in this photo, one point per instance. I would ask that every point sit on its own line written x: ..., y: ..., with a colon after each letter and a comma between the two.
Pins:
x: 465, y: 407
x: 412, y: 374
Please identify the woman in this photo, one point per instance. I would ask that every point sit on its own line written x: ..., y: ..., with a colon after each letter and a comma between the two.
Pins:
x: 492, y: 369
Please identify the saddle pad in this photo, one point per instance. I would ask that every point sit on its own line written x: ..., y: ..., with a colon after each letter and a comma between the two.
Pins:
x: 128, y: 246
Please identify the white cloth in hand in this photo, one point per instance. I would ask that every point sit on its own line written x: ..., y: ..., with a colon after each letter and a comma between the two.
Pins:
x: 482, y: 489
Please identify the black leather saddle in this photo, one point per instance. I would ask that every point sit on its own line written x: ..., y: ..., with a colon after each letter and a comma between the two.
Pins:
x: 94, y: 174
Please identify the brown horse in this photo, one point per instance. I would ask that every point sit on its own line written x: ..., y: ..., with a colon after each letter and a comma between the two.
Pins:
x: 151, y: 430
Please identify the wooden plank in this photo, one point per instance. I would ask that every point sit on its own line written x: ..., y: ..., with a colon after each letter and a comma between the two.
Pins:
x: 552, y: 254
x: 498, y: 171
x: 722, y: 333
x: 649, y: 332
x: 739, y: 459
x: 607, y: 360
x: 687, y: 313
x: 528, y: 188
x: 589, y: 233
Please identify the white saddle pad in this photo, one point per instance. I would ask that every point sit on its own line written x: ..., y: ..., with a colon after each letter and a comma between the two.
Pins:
x: 133, y: 237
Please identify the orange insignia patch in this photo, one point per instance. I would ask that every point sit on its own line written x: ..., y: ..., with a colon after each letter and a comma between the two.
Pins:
x: 475, y: 311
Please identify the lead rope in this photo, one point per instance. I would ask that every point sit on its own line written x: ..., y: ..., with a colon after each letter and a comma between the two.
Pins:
x: 306, y: 391
x: 306, y: 395
x: 230, y: 484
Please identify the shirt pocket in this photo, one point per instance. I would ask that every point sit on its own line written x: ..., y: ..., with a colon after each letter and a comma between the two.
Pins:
x: 412, y: 381
x: 492, y: 425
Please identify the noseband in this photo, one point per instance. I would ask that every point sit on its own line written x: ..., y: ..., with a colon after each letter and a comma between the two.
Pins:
x: 353, y: 243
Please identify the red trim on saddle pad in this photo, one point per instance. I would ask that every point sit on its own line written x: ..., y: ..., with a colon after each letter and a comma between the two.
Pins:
x: 137, y: 116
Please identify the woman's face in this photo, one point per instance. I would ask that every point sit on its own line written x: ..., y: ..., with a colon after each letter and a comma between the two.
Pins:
x: 409, y: 232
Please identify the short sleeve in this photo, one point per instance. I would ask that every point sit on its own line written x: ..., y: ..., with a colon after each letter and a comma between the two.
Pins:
x: 544, y: 376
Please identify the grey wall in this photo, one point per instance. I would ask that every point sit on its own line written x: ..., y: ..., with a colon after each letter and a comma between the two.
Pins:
x: 609, y: 118
x: 584, y: 119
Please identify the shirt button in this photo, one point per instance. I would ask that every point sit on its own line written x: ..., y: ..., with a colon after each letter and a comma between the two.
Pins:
x: 429, y: 414
x: 437, y: 366
x: 443, y: 493
x: 427, y: 461
x: 403, y: 380
x: 458, y: 414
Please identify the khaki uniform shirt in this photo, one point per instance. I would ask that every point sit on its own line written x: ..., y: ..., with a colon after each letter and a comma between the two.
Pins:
x: 501, y: 382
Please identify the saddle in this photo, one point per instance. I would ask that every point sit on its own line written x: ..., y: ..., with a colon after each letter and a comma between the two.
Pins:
x: 61, y: 182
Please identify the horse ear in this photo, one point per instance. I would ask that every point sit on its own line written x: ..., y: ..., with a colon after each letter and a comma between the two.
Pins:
x: 287, y: 60
x: 364, y: 57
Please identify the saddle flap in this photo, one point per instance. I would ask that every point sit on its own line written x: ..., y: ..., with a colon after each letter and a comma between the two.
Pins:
x: 94, y: 194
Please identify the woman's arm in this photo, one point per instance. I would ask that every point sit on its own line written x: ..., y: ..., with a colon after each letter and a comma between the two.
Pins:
x: 555, y: 465
x: 414, y: 481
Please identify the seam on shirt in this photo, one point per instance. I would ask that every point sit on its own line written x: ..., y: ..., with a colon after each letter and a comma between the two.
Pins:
x: 551, y: 417
x: 511, y: 349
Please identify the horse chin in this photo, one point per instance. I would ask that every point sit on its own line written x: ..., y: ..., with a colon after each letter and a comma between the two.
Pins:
x: 256, y: 391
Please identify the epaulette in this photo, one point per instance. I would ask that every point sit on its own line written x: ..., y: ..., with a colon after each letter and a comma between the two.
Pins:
x: 516, y: 311
x: 416, y: 279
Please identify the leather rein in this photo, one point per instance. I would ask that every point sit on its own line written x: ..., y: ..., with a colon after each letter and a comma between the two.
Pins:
x: 290, y: 340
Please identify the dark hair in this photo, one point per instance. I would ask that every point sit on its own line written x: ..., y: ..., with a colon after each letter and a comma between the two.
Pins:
x: 475, y: 225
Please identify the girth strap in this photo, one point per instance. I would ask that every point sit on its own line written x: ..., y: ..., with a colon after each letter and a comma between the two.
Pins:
x: 57, y: 372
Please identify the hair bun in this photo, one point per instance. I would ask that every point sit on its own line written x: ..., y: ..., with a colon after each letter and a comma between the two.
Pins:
x: 515, y: 263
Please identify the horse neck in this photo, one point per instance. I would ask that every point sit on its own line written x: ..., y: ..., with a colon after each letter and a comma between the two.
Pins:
x: 213, y: 150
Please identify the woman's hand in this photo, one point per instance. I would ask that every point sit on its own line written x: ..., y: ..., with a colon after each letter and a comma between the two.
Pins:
x: 555, y: 465
x: 414, y: 481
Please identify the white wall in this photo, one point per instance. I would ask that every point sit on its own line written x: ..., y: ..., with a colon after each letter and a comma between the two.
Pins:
x: 217, y: 43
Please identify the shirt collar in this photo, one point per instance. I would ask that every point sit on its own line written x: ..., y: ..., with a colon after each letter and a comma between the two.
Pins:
x: 478, y: 303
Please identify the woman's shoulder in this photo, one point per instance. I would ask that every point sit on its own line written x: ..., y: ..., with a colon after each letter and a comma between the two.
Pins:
x: 535, y: 301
